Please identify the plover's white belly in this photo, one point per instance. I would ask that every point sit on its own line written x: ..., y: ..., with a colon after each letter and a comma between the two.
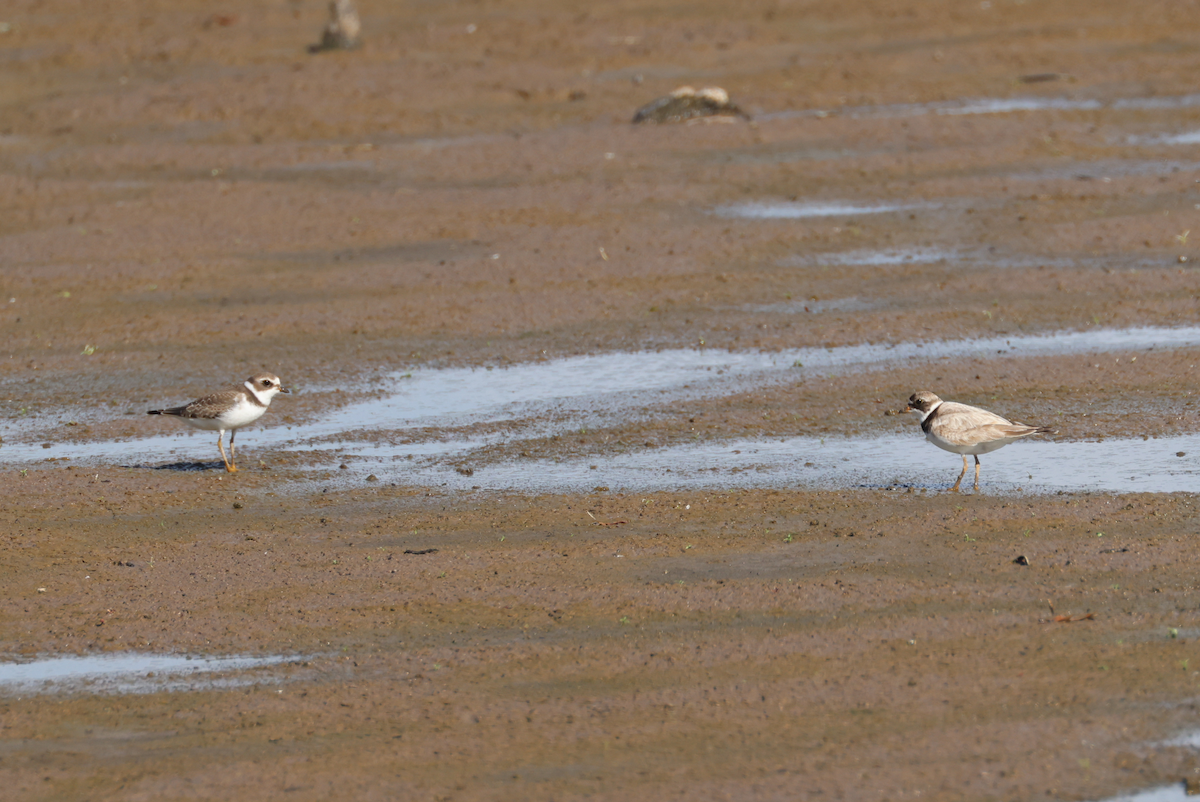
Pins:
x: 982, y: 447
x: 237, y: 416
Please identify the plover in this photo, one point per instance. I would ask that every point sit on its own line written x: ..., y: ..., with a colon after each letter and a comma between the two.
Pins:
x: 964, y: 429
x: 686, y: 104
x: 229, y: 410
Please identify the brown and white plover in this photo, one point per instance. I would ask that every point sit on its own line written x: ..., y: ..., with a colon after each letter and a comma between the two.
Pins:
x: 229, y: 410
x: 965, y: 429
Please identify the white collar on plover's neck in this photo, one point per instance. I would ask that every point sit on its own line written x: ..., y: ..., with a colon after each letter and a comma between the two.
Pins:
x: 263, y: 399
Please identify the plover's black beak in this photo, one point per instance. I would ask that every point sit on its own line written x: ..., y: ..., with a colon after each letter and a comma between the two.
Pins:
x: 905, y: 408
x: 283, y: 389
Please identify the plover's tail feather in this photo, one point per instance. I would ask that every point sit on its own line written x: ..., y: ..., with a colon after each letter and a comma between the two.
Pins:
x: 176, y: 411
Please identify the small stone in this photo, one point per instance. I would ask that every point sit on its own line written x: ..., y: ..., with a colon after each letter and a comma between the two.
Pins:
x: 1181, y: 453
x: 685, y: 103
x: 237, y: 505
x: 343, y: 29
x: 372, y: 478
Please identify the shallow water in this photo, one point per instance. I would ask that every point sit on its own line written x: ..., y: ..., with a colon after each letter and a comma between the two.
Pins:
x: 1011, y: 105
x: 544, y: 398
x: 989, y: 258
x: 132, y: 672
x: 1187, y: 138
x: 1191, y: 740
x: 795, y: 210
x: 1165, y: 793
x: 872, y: 258
x: 900, y: 460
x: 563, y: 390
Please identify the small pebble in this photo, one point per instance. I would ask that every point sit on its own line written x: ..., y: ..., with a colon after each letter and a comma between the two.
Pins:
x: 342, y: 31
x: 685, y: 104
x: 372, y: 478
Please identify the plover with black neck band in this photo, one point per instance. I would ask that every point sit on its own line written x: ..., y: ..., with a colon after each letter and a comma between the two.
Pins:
x: 965, y: 429
x: 229, y: 410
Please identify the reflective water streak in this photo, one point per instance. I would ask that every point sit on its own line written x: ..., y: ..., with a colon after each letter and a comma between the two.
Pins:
x: 1188, y: 138
x: 994, y: 106
x: 782, y: 210
x: 869, y: 258
x: 897, y: 460
x: 563, y: 394
x: 131, y: 672
x: 1165, y: 793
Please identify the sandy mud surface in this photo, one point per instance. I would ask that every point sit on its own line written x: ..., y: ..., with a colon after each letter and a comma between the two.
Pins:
x: 461, y: 206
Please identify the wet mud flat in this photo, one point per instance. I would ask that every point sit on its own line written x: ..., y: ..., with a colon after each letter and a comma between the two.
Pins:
x: 190, y: 197
x: 711, y: 645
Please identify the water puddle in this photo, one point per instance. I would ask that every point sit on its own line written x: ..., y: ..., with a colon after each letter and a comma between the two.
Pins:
x: 1176, y: 792
x: 1189, y: 740
x: 990, y: 258
x: 1167, y: 793
x: 796, y: 210
x: 891, y: 461
x: 562, y: 390
x: 134, y: 672
x: 540, y: 399
x: 870, y: 258
x: 1158, y: 103
x: 1012, y: 105
x: 1187, y: 138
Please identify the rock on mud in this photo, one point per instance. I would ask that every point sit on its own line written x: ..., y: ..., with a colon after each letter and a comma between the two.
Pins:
x: 343, y: 30
x: 685, y: 104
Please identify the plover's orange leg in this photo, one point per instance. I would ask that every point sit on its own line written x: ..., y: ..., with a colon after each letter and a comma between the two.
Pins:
x: 229, y: 466
x: 961, y: 475
x: 233, y: 459
x: 964, y: 467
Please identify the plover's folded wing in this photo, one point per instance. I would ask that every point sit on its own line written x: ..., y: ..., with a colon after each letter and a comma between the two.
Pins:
x: 210, y: 406
x: 1007, y: 431
x: 969, y: 416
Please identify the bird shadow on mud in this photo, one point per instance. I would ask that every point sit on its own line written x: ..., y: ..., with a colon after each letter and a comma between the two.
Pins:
x: 185, y: 467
